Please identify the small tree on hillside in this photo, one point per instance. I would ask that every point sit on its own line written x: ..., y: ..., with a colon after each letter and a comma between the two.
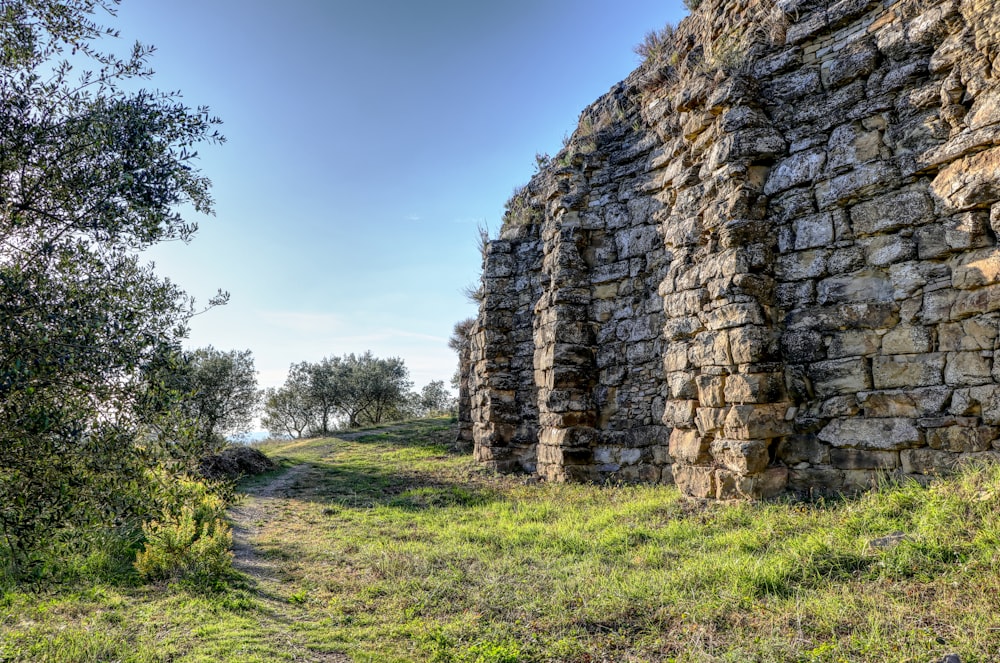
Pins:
x: 220, y: 393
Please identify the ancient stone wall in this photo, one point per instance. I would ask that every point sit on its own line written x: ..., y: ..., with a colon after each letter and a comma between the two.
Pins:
x: 766, y: 260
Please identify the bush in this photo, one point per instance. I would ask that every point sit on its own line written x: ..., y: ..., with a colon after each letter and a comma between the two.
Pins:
x: 193, y: 544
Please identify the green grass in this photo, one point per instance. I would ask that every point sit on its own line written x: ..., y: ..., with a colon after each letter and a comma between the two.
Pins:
x: 391, y: 547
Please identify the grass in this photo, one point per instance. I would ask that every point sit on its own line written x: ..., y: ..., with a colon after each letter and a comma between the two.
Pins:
x: 390, y: 547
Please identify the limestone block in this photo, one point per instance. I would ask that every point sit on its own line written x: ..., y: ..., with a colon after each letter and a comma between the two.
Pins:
x: 749, y: 422
x: 801, y: 265
x: 694, y: 481
x: 754, y: 388
x: 732, y: 485
x: 971, y: 181
x: 710, y: 419
x: 680, y: 328
x: 796, y: 449
x: 985, y: 110
x: 897, y: 371
x: 967, y: 303
x: 840, y: 376
x: 851, y: 144
x: 816, y: 481
x: 852, y: 343
x: 675, y: 357
x: 964, y: 369
x: 710, y: 349
x: 961, y: 438
x: 679, y: 413
x: 846, y: 260
x: 976, y: 268
x: 890, y: 434
x: 928, y: 461
x: 870, y: 285
x: 800, y: 346
x: 681, y: 386
x: 733, y: 315
x: 689, y: 447
x: 907, y: 339
x: 815, y: 230
x: 862, y: 179
x: 578, y: 437
x: 711, y: 390
x: 797, y: 169
x: 853, y: 62
x: 685, y: 303
x: 740, y: 456
x: 750, y: 343
x: 800, y: 293
x: 978, y: 333
x: 863, y: 459
x: 887, y: 249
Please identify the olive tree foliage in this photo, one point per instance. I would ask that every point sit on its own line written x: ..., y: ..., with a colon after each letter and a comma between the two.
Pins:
x: 351, y: 390
x: 435, y: 398
x: 219, y: 393
x: 91, y: 171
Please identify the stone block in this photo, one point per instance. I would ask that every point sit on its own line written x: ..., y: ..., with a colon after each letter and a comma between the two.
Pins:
x: 743, y: 457
x: 928, y: 401
x: 800, y: 346
x: 890, y: 434
x: 694, y: 481
x: 839, y: 376
x: 970, y: 181
x: 711, y: 419
x: 907, y: 339
x: 897, y: 371
x: 681, y: 386
x: 871, y: 285
x: 815, y: 230
x: 928, y: 461
x: 754, y: 388
x: 710, y: 348
x: 965, y: 369
x: 679, y: 413
x: 816, y: 481
x: 711, y: 390
x: 863, y: 459
x: 796, y: 449
x: 800, y: 168
x: 801, y: 265
x: 753, y: 422
x: 861, y: 180
x: 750, y: 344
x: 961, y: 438
x: 689, y: 447
x: 888, y: 249
x: 861, y: 343
x: 891, y: 212
x: 733, y: 315
x: 976, y: 268
x: 970, y: 334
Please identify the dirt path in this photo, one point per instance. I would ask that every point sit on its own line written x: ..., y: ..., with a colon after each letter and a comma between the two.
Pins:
x: 264, y: 505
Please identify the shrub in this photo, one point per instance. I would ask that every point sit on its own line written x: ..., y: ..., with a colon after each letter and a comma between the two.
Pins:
x: 192, y: 544
x: 654, y: 44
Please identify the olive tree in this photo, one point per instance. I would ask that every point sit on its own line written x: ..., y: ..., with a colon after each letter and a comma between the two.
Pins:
x: 92, y: 171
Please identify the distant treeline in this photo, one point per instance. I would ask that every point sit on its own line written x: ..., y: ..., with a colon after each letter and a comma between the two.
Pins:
x: 348, y: 391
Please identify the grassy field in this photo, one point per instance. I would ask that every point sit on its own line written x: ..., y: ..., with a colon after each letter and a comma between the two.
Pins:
x: 391, y: 547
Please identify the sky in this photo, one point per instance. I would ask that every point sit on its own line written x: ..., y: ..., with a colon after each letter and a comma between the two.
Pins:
x: 366, y: 141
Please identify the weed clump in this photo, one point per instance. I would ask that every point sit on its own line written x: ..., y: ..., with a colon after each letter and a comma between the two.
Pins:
x: 191, y: 544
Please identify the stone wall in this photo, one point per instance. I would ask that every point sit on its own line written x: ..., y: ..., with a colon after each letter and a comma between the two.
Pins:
x: 765, y: 260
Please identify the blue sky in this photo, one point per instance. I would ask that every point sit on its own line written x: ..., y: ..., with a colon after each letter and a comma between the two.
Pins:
x: 366, y: 141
